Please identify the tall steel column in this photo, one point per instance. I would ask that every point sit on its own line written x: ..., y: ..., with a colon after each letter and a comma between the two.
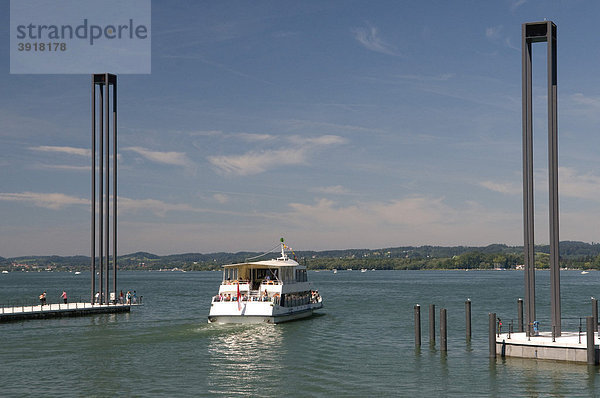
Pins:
x: 102, y: 84
x: 535, y: 32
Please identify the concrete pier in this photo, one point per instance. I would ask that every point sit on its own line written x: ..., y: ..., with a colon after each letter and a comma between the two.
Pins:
x: 568, y: 346
x: 8, y: 314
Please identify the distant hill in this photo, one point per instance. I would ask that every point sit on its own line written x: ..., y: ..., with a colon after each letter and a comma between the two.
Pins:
x: 574, y: 254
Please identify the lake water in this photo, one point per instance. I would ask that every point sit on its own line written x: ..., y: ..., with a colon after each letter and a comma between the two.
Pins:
x: 361, y: 344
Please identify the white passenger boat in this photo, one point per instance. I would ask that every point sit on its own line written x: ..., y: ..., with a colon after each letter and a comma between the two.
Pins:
x: 271, y: 291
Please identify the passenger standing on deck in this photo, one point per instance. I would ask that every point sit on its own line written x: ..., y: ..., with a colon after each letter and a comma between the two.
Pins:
x: 128, y: 297
x: 121, y: 297
x: 43, y: 298
x: 134, y: 297
x: 64, y: 296
x: 97, y: 297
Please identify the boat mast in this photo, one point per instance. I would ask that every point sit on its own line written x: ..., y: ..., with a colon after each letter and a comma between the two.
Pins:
x: 283, y: 257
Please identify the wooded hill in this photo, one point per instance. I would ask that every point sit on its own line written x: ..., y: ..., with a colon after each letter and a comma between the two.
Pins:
x: 573, y: 255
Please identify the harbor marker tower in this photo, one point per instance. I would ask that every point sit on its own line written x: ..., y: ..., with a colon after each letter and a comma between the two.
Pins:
x: 101, y: 84
x: 535, y: 32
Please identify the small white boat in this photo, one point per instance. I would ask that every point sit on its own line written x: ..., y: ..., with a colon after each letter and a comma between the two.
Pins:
x: 584, y: 272
x: 363, y: 270
x: 335, y: 271
x: 77, y: 273
x: 5, y: 272
x: 271, y: 291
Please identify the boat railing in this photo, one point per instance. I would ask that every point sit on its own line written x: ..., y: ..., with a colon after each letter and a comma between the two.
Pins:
x: 235, y: 282
x: 21, y: 306
x: 245, y: 298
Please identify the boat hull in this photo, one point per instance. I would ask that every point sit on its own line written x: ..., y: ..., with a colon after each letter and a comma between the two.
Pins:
x: 278, y: 315
x: 254, y: 319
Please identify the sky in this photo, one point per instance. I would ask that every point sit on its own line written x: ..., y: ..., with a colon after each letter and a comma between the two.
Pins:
x: 338, y: 124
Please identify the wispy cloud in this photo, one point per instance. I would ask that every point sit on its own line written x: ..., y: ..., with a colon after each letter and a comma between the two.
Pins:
x: 64, y: 167
x: 582, y: 99
x: 427, y: 78
x: 221, y: 198
x: 62, y: 149
x: 259, y: 161
x: 53, y: 201
x: 516, y: 4
x: 369, y: 38
x: 170, y: 158
x: 334, y: 189
x: 581, y: 186
x: 502, y: 187
x: 493, y: 32
x: 255, y: 137
x: 405, y: 220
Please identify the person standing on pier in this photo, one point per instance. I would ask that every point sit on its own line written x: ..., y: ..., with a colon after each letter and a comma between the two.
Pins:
x: 43, y: 298
x: 64, y: 296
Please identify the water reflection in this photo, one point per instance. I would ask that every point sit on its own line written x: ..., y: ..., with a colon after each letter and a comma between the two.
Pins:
x: 243, y: 358
x: 558, y: 378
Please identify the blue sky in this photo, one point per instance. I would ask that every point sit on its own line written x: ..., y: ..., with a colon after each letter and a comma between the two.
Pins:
x: 338, y: 124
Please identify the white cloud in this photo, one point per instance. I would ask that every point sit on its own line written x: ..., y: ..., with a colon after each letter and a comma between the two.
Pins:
x: 63, y: 149
x: 516, y: 4
x: 493, y: 32
x: 369, y: 38
x: 156, y: 207
x: 502, y: 187
x: 170, y: 158
x: 53, y: 201
x: 582, y: 99
x: 581, y: 186
x: 259, y: 161
x: 255, y: 137
x: 410, y: 220
x: 335, y: 189
x: 427, y: 78
x: 221, y: 198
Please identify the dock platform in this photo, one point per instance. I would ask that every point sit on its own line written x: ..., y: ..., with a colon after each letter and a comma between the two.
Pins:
x: 570, y: 346
x: 8, y: 314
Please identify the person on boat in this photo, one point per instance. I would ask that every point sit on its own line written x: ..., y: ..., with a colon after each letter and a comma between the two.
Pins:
x: 128, y: 297
x: 43, y: 298
x: 64, y: 296
x: 97, y: 297
x: 121, y: 297
x: 265, y: 295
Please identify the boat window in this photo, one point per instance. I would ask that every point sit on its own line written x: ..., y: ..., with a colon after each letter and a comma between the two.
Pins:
x: 301, y: 275
x: 287, y: 275
x: 231, y: 274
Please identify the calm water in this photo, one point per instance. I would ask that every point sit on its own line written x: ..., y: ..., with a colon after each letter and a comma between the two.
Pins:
x: 361, y: 345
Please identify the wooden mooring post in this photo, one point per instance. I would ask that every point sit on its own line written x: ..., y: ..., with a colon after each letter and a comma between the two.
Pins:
x: 431, y: 324
x: 468, y: 319
x: 443, y: 330
x: 520, y: 315
x: 492, y: 334
x: 595, y: 313
x: 417, y: 325
x: 591, y: 346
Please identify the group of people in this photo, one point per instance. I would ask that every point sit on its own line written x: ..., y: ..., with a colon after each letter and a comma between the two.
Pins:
x: 244, y: 297
x: 42, y: 297
x: 129, y: 298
